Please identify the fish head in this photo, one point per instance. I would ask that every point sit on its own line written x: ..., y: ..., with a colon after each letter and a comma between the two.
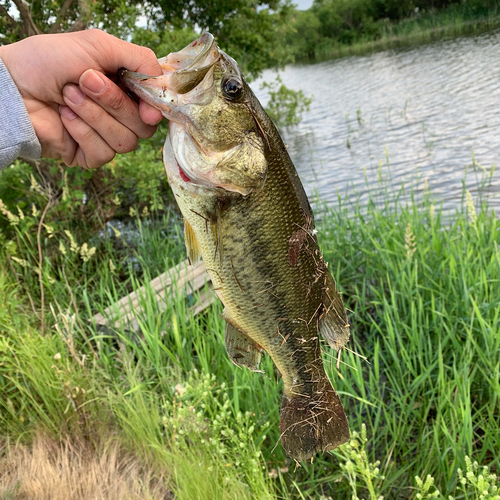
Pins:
x: 214, y: 137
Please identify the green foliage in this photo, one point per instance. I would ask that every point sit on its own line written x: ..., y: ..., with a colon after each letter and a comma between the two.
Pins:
x: 118, y: 17
x: 285, y: 105
x: 478, y: 483
x: 333, y: 27
x: 357, y: 469
x: 305, y: 37
x: 83, y: 200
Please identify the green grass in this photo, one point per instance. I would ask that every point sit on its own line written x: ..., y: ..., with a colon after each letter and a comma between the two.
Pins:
x: 424, y: 293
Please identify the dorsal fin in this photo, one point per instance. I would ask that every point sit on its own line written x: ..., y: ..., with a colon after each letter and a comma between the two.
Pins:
x: 241, y: 349
x: 333, y: 323
x: 192, y: 247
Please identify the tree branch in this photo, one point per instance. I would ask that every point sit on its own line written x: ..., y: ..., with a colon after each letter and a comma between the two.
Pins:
x: 84, y: 18
x: 11, y: 22
x: 28, y: 23
x: 60, y: 17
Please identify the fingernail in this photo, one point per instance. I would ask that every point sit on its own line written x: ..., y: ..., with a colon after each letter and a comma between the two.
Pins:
x: 67, y: 113
x: 92, y: 81
x: 73, y: 94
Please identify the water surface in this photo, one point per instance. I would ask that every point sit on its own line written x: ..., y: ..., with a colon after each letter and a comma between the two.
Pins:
x: 422, y: 112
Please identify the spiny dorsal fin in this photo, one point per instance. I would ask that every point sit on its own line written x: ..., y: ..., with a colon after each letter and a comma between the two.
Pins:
x: 241, y: 349
x: 192, y: 247
x: 333, y: 323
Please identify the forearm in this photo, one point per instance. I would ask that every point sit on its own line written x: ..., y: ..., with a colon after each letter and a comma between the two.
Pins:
x: 17, y: 136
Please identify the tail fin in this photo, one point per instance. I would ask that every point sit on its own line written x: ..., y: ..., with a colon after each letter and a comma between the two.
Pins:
x: 314, y: 423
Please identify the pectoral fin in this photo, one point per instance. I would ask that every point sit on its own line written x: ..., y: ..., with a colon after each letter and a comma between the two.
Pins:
x: 192, y: 247
x: 242, y: 350
x: 333, y: 323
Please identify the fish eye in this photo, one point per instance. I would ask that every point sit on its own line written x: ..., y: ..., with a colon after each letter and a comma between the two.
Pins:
x: 232, y: 89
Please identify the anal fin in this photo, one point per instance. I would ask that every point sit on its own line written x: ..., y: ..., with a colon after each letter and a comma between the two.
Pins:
x: 333, y: 323
x: 241, y: 349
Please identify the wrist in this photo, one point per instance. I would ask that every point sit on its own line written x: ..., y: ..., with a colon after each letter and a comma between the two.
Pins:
x: 7, y: 58
x: 18, y: 136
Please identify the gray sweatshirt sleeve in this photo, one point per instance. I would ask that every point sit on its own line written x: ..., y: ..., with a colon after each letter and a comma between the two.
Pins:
x: 17, y: 136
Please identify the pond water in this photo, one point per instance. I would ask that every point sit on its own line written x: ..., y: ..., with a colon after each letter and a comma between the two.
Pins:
x: 416, y: 114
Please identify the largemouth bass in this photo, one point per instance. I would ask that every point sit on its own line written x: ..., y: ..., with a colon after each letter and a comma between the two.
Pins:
x: 246, y: 213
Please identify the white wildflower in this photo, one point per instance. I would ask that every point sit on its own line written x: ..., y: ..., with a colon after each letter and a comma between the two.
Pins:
x: 471, y: 209
x: 117, y: 233
x: 73, y: 246
x: 50, y: 230
x: 13, y: 219
x: 410, y: 244
x: 34, y: 185
x: 21, y: 262
x: 86, y: 253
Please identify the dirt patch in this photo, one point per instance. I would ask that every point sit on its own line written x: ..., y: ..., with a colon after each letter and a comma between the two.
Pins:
x: 71, y: 469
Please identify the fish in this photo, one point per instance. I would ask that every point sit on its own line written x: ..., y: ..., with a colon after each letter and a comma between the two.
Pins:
x: 247, y: 215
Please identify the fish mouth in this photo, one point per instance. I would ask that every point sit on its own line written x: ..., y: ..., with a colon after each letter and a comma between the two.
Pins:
x: 183, y: 71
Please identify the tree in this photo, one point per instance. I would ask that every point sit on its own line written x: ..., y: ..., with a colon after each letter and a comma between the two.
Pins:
x: 306, y: 36
x: 56, y: 16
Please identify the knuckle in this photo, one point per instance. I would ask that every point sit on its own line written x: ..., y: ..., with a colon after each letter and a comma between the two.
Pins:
x: 96, y: 35
x: 116, y: 100
x: 87, y: 135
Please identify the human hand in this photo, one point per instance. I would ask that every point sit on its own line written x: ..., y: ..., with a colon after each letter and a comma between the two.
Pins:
x: 78, y: 113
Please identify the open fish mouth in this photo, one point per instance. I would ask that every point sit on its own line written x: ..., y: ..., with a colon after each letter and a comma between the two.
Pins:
x: 183, y: 71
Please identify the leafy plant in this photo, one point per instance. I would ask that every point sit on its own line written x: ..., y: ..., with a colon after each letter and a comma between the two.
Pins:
x: 285, y: 106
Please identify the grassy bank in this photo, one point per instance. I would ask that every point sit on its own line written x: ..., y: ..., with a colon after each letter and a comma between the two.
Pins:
x: 424, y: 295
x: 316, y: 38
x: 411, y: 33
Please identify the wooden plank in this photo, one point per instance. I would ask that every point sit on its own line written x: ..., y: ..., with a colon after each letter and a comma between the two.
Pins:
x: 183, y: 278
